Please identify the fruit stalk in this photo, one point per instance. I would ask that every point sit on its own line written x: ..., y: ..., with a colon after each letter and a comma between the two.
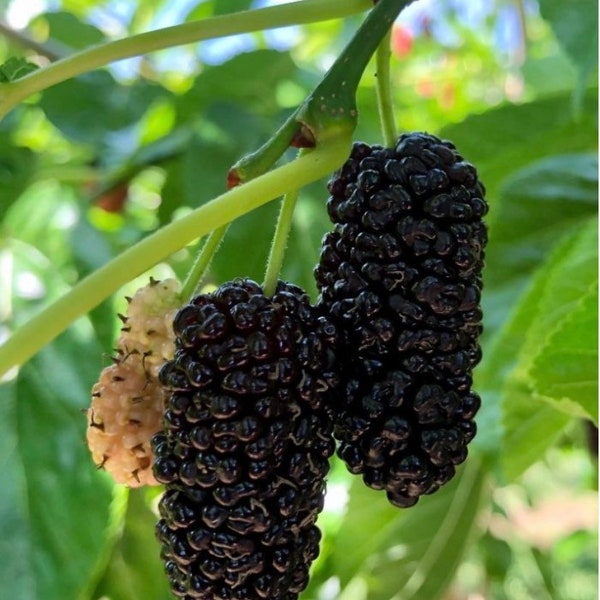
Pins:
x: 284, y: 223
x: 400, y: 276
x: 202, y: 262
x: 385, y: 104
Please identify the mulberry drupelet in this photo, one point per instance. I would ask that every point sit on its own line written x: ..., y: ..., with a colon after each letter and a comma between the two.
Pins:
x: 400, y: 276
x: 246, y: 443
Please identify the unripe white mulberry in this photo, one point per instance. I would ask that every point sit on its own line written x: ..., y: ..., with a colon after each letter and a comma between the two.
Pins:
x: 126, y: 412
x: 127, y: 401
x: 148, y: 325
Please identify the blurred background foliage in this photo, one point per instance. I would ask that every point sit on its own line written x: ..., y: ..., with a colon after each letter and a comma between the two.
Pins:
x: 94, y: 164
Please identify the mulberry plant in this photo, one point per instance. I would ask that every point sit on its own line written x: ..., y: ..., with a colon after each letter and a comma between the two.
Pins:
x: 246, y: 443
x: 400, y: 274
x: 234, y: 399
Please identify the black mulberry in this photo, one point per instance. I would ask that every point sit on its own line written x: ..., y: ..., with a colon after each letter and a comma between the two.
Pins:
x: 246, y: 443
x: 400, y: 275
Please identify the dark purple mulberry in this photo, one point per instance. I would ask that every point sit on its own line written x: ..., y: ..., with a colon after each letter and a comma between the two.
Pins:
x: 246, y: 443
x: 400, y: 275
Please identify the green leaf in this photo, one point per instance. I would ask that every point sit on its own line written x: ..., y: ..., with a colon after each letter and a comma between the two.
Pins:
x: 379, y: 545
x: 368, y: 517
x: 216, y: 141
x: 530, y: 428
x: 575, y: 24
x: 18, y: 579
x: 565, y: 372
x: 209, y: 8
x: 64, y: 544
x: 17, y: 166
x: 537, y: 205
x: 249, y: 79
x: 518, y: 342
x: 529, y: 425
x: 253, y: 231
x: 566, y: 278
x: 74, y: 105
x: 222, y: 8
x: 134, y: 569
x: 510, y: 137
x: 15, y: 68
x: 73, y: 33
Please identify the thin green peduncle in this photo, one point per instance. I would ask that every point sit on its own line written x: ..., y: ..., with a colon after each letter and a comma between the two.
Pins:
x: 280, y: 240
x: 202, y: 262
x: 383, y: 87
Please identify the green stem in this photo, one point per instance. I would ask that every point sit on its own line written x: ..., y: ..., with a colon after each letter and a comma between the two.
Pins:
x: 261, y: 160
x: 385, y: 104
x: 89, y: 292
x: 202, y: 263
x: 92, y: 58
x: 331, y: 107
x: 280, y: 239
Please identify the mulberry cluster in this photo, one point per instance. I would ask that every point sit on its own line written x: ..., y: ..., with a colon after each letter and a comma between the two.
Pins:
x: 127, y: 401
x: 246, y: 443
x: 400, y: 275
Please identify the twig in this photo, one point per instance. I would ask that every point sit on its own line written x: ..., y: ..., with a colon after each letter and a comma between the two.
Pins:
x: 50, y: 49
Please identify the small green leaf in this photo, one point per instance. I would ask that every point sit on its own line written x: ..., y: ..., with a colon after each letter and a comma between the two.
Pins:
x: 566, y: 279
x: 209, y: 8
x: 15, y: 68
x: 255, y: 231
x: 188, y: 183
x: 222, y: 8
x: 539, y: 203
x: 565, y: 372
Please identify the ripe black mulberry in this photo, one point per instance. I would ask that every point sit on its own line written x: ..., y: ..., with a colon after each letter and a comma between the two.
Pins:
x: 246, y: 443
x: 400, y: 276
